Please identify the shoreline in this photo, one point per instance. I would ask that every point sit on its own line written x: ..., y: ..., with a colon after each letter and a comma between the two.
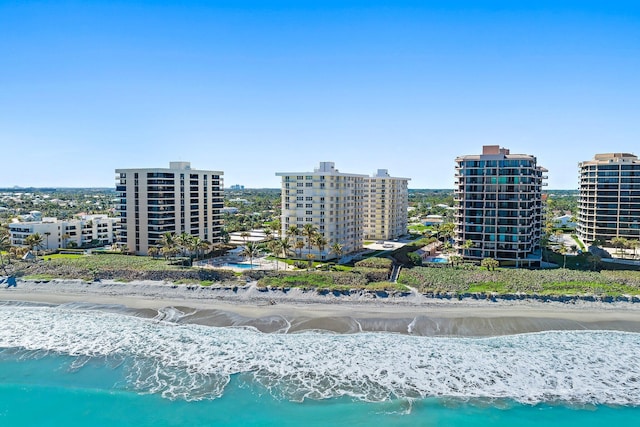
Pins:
x: 295, y: 310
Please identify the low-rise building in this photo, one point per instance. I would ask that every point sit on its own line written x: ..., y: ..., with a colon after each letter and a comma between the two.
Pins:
x: 85, y: 231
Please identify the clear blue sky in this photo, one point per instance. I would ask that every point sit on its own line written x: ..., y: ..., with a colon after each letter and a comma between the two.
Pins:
x: 255, y: 88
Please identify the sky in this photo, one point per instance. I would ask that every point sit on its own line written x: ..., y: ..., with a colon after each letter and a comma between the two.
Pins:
x: 255, y: 88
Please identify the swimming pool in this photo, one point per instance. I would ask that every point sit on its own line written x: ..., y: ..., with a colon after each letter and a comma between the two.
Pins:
x: 239, y: 265
x: 438, y: 259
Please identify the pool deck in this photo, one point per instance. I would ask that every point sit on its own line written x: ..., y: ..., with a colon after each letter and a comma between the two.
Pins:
x: 260, y: 263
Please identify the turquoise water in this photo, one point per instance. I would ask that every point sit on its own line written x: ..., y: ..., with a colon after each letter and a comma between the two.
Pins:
x: 75, y: 367
x: 239, y: 265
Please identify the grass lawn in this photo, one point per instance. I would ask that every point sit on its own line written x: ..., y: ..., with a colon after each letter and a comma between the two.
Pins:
x: 110, y: 262
x: 62, y: 256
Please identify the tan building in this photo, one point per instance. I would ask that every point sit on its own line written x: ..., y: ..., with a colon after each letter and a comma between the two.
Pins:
x: 609, y: 201
x: 177, y: 200
x: 499, y: 197
x: 386, y: 200
x: 328, y: 199
x: 344, y: 206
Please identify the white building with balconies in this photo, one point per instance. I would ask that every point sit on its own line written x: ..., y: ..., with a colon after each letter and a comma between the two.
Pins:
x: 342, y: 207
x: 84, y: 231
x: 175, y: 200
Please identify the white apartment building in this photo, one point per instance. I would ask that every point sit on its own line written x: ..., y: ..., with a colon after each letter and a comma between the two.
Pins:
x: 177, y: 200
x: 87, y: 230
x: 328, y: 199
x: 499, y: 210
x: 344, y: 206
x: 386, y: 200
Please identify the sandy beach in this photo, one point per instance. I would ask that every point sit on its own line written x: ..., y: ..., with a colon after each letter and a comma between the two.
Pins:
x: 296, y: 310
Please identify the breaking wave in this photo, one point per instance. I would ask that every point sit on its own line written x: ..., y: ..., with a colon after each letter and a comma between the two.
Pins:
x: 195, y: 362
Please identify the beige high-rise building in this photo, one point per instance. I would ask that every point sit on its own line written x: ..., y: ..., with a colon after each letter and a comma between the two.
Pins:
x: 329, y: 200
x: 609, y: 201
x: 334, y: 203
x: 386, y: 200
x: 499, y: 197
x: 177, y: 200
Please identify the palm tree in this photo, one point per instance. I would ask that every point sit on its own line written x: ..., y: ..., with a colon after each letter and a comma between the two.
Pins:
x: 309, y: 230
x: 203, y: 245
x: 285, y: 247
x: 245, y: 235
x: 563, y: 250
x: 153, y: 251
x: 268, y: 233
x: 168, y: 244
x: 320, y: 242
x: 490, y: 263
x: 4, y: 246
x: 310, y: 258
x: 276, y: 225
x: 299, y: 245
x: 34, y: 241
x: 619, y: 243
x: 454, y: 260
x: 274, y: 248
x: 293, y: 231
x: 184, y: 241
x: 468, y: 244
x: 250, y: 250
x: 336, y: 248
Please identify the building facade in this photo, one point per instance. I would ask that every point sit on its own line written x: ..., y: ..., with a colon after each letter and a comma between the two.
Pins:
x: 85, y: 231
x: 175, y: 200
x: 499, y: 206
x: 329, y: 200
x: 343, y: 207
x: 386, y: 200
x: 609, y: 200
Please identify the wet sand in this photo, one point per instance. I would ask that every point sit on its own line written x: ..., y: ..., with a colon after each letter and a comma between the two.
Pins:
x: 297, y: 311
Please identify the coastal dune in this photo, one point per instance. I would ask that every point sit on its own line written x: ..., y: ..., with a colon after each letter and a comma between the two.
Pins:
x: 297, y: 311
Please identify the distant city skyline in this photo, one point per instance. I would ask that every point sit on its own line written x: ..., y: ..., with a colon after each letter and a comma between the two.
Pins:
x: 251, y: 88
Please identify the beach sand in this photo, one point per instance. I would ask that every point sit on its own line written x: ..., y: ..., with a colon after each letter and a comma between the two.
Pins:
x: 296, y: 310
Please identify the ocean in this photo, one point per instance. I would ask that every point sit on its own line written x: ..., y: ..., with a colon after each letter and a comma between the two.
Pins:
x: 67, y: 366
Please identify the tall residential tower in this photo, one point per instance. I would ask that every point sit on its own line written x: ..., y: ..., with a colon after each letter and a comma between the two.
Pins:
x: 343, y: 207
x: 386, y: 200
x: 499, y: 197
x: 609, y: 202
x: 175, y: 200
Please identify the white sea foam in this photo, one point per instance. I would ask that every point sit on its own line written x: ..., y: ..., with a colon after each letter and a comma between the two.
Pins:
x: 196, y: 362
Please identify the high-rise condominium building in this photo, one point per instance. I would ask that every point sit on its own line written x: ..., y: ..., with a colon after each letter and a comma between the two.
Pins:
x: 386, y: 199
x: 338, y: 205
x: 175, y: 200
x: 329, y: 200
x: 609, y: 202
x: 499, y: 197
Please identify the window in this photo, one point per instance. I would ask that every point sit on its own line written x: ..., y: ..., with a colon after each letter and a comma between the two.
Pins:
x: 309, y: 199
x: 309, y: 213
x: 299, y: 191
x: 298, y: 205
x: 308, y: 184
x: 309, y: 205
